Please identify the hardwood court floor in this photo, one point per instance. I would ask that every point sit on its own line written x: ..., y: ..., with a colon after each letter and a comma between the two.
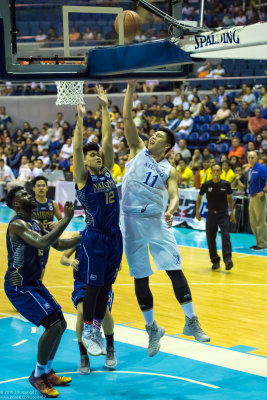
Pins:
x: 232, y: 306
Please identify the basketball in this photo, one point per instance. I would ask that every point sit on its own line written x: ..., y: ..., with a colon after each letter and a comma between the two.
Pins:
x: 132, y: 23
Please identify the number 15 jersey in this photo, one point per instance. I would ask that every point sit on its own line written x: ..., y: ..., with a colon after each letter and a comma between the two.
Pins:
x: 144, y: 189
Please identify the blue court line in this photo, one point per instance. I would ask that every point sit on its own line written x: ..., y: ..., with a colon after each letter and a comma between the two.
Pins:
x: 242, y: 349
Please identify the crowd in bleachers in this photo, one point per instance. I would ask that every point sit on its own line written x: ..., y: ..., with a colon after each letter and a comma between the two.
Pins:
x: 219, y: 127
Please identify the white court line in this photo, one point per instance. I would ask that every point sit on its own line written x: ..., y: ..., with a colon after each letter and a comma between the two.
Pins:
x: 180, y: 378
x: 19, y: 343
x: 220, y: 356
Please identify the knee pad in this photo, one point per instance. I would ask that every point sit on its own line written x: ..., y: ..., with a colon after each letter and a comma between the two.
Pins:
x: 143, y: 294
x: 51, y: 320
x: 180, y: 286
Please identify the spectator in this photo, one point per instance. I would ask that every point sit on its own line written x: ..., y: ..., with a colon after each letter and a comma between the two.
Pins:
x: 185, y: 174
x: 22, y: 175
x: 239, y: 181
x: 150, y: 85
x: 257, y: 187
x: 186, y: 125
x: 222, y: 115
x: 13, y: 159
x: 5, y: 120
x: 119, y: 171
x: 244, y: 115
x: 228, y: 20
x: 192, y: 95
x: 234, y: 161
x: 214, y: 98
x: 249, y: 97
x: 27, y: 149
x: 195, y: 107
x: 52, y: 36
x: 222, y: 96
x: 42, y: 141
x: 54, y: 162
x: 178, y: 99
x: 205, y: 172
x: 207, y: 107
x: 168, y: 105
x: 205, y: 71
x: 87, y: 36
x: 59, y: 119
x: 242, y: 93
x: 206, y: 153
x: 45, y: 159
x: 240, y: 19
x: 38, y: 167
x: 182, y: 149
x: 234, y: 112
x: 41, y: 36
x: 227, y: 172
x: 74, y: 34
x: 262, y: 100
x: 18, y: 139
x: 255, y: 124
x: 66, y: 131
x: 263, y: 157
x: 264, y: 139
x: 257, y: 142
x: 136, y: 100
x: 237, y: 150
x: 65, y: 153
x: 184, y: 104
x: 218, y: 72
x: 6, y: 175
x: 196, y: 162
x: 32, y: 172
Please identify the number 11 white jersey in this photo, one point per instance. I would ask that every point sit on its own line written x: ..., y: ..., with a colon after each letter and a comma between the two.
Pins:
x: 144, y: 189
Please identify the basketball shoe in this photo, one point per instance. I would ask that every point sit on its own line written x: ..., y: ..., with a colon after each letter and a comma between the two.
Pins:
x: 99, y: 339
x: 43, y: 386
x: 192, y: 328
x: 57, y: 380
x: 84, y: 368
x: 91, y: 343
x: 111, y: 360
x: 155, y: 333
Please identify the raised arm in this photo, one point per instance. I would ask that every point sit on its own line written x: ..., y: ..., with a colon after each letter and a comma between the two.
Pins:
x: 107, y: 148
x: 79, y: 170
x: 133, y: 139
x: 21, y: 228
x: 172, y: 186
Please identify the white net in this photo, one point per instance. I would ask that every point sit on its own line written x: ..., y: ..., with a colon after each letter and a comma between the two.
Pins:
x: 70, y: 92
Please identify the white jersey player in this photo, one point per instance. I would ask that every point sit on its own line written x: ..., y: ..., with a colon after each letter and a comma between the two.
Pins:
x: 148, y: 182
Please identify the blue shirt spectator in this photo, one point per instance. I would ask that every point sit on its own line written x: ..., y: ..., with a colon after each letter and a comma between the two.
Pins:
x: 257, y: 177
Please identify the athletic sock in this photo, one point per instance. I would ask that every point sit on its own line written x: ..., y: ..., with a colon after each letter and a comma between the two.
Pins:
x: 83, y: 350
x: 87, y: 327
x: 48, y: 366
x: 188, y: 309
x: 149, y: 317
x: 97, y: 324
x: 39, y: 370
x: 110, y: 340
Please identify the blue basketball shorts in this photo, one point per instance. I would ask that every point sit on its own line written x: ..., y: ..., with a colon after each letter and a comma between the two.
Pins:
x: 100, y: 256
x: 33, y: 302
x: 79, y: 291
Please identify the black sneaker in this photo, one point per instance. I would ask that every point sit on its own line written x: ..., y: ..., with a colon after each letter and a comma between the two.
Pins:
x: 258, y: 248
x: 253, y: 247
x: 216, y: 265
x: 229, y: 265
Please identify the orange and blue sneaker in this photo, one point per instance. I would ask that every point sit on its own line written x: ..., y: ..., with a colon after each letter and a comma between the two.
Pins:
x: 43, y: 386
x: 57, y: 380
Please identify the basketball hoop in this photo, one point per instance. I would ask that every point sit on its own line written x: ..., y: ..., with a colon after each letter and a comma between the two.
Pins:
x: 69, y: 93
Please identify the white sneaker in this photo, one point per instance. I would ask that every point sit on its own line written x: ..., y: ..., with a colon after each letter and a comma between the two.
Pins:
x: 99, y: 339
x: 84, y: 368
x: 91, y: 343
x: 155, y: 333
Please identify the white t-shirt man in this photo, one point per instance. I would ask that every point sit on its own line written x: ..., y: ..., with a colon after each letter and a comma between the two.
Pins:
x: 186, y: 123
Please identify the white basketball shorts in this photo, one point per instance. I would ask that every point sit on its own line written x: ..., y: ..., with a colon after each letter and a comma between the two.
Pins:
x: 143, y: 233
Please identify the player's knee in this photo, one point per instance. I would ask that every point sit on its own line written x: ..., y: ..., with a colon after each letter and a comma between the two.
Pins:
x: 180, y: 286
x: 63, y: 323
x: 143, y: 294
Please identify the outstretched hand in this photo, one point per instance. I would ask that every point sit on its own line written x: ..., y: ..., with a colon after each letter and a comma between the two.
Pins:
x: 81, y: 110
x: 102, y: 95
x: 69, y: 209
x: 132, y: 84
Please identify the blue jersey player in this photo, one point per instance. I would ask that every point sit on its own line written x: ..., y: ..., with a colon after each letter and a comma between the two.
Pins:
x: 26, y: 240
x: 77, y: 299
x: 101, y: 243
x: 46, y: 208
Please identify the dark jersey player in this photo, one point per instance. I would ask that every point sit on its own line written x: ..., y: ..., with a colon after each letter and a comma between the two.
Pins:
x: 77, y: 299
x: 101, y: 243
x: 26, y: 240
x: 46, y: 208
